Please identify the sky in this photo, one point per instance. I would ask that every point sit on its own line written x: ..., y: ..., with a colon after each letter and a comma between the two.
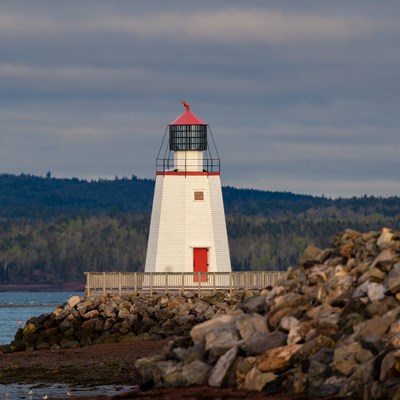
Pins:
x: 301, y: 96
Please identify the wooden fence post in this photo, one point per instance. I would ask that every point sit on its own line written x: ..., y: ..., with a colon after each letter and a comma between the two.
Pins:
x: 87, y: 284
x: 135, y: 282
x: 104, y: 283
x: 198, y: 276
x: 214, y: 282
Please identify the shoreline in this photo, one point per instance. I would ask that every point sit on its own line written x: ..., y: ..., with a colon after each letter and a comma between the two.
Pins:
x: 105, y: 365
x: 44, y: 287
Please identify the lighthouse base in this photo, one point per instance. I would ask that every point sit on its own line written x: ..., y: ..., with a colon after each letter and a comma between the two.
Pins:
x: 188, y: 230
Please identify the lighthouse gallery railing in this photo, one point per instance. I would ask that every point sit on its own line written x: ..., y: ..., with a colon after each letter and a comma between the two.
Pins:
x: 103, y: 283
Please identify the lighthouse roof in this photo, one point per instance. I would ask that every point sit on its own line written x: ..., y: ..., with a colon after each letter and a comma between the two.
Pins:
x: 188, y: 118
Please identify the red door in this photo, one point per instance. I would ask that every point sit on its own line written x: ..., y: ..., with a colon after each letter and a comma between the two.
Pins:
x: 200, y: 263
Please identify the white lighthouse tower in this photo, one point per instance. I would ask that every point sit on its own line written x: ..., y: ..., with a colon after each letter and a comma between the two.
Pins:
x: 188, y: 229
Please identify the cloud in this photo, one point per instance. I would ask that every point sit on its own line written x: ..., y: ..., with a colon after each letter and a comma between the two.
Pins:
x: 228, y: 25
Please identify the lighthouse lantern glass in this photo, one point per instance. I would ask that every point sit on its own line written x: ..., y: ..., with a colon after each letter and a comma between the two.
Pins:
x: 188, y: 137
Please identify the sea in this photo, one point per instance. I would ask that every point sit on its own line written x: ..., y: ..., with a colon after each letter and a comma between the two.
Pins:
x: 16, y: 308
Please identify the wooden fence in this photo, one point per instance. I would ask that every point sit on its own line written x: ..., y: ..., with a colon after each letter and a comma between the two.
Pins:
x: 154, y: 282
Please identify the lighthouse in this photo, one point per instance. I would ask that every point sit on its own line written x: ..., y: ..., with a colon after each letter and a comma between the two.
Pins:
x: 188, y: 228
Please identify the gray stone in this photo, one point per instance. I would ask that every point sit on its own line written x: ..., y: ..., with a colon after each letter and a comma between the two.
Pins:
x: 323, y: 356
x: 251, y: 324
x: 260, y: 342
x: 376, y: 291
x: 361, y: 290
x: 220, y: 370
x: 298, y: 333
x: 200, y: 307
x: 199, y: 332
x: 220, y: 340
x: 332, y: 386
x: 287, y: 323
x: 170, y: 374
x: 146, y: 369
x: 254, y: 304
x: 195, y: 373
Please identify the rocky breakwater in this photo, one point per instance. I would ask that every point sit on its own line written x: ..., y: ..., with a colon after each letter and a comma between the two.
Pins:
x: 112, y: 319
x: 332, y: 328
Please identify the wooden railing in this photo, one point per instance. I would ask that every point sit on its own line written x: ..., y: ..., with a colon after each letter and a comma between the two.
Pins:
x: 155, y: 282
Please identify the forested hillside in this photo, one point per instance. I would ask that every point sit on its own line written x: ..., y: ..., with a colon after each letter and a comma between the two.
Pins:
x: 53, y: 230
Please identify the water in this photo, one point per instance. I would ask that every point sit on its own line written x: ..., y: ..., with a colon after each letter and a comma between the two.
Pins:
x: 36, y: 392
x: 17, y: 307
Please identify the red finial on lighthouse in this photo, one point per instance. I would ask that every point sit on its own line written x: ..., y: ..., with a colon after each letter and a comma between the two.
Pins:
x: 188, y: 118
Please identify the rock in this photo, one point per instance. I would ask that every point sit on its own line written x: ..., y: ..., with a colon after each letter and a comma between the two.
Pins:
x: 218, y: 341
x: 199, y: 332
x: 385, y: 239
x: 361, y: 290
x: 146, y: 369
x: 91, y: 314
x: 195, y: 373
x: 372, y: 343
x: 73, y: 301
x: 250, y: 325
x: 377, y: 326
x: 277, y: 359
x: 390, y: 365
x: 256, y: 380
x: 221, y: 368
x: 260, y: 342
x: 169, y: 373
x: 356, y: 383
x: 287, y: 323
x: 310, y: 253
x: 254, y: 304
x: 332, y: 386
x: 313, y: 346
x: 344, y: 360
x: 376, y: 291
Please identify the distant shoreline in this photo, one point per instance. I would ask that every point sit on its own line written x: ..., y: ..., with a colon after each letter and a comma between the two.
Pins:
x: 62, y: 287
x: 25, y: 305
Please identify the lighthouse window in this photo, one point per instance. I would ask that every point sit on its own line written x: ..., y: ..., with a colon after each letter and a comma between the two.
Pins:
x: 188, y: 137
x: 199, y: 195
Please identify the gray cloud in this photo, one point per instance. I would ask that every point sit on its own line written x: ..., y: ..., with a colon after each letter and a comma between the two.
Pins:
x: 301, y: 96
